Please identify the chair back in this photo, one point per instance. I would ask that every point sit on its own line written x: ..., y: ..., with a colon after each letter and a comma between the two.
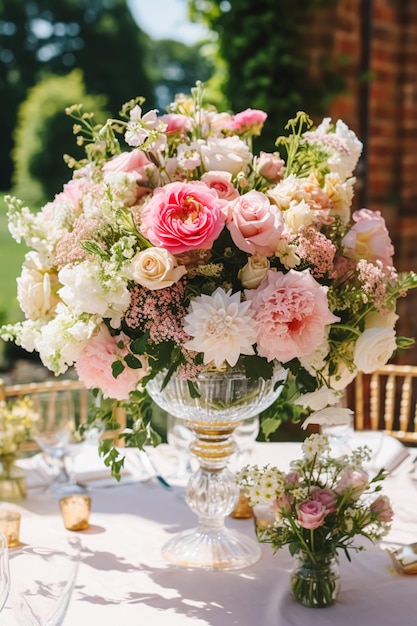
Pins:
x: 81, y: 397
x: 387, y: 400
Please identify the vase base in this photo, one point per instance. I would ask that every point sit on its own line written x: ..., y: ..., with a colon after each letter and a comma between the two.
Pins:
x: 210, y: 550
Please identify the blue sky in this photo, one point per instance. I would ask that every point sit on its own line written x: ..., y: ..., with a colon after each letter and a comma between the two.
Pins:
x: 165, y: 19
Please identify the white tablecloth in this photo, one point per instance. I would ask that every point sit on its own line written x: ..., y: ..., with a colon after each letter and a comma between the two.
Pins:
x: 123, y: 580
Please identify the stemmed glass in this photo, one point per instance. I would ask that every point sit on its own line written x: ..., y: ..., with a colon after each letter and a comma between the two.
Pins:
x: 54, y: 434
x: 43, y: 579
x: 4, y: 571
x: 179, y: 437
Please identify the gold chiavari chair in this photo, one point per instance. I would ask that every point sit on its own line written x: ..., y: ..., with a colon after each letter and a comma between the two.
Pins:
x: 387, y: 400
x: 82, y: 402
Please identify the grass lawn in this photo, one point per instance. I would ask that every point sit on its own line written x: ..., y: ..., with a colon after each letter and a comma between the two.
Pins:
x: 11, y: 259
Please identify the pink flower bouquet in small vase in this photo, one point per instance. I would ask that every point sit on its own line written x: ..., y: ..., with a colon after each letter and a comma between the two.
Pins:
x: 319, y: 508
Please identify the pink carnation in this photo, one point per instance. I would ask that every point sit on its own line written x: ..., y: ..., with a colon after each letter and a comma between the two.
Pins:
x: 249, y: 121
x: 292, y: 311
x: 94, y: 366
x: 183, y: 216
x: 369, y: 238
x: 255, y: 224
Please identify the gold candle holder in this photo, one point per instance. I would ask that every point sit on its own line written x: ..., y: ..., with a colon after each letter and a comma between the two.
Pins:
x: 75, y: 510
x: 10, y: 526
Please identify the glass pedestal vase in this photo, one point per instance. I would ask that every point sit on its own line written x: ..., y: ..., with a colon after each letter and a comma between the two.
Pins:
x: 315, y: 579
x: 223, y: 401
x: 12, y: 480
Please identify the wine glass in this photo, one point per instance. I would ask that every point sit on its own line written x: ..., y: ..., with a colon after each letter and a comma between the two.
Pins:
x: 54, y: 433
x: 43, y: 578
x: 179, y: 437
x: 4, y: 571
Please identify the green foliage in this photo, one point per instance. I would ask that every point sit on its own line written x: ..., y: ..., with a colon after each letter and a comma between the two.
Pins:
x: 265, y: 48
x: 44, y: 37
x: 43, y: 131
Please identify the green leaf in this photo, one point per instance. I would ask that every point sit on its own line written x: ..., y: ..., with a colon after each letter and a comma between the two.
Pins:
x: 193, y: 390
x: 258, y: 367
x: 117, y: 368
x: 138, y: 346
x: 132, y: 362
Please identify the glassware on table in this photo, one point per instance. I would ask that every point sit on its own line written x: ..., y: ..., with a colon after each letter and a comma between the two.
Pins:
x: 54, y: 433
x: 4, y: 571
x: 42, y: 582
x: 224, y: 400
x: 179, y: 437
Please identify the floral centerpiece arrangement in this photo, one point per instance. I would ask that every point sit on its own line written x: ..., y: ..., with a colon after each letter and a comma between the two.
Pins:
x: 17, y: 421
x: 181, y: 248
x: 320, y: 507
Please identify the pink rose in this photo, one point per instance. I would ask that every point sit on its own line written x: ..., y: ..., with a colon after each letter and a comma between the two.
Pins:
x: 382, y: 510
x: 311, y: 514
x: 132, y: 161
x: 222, y: 183
x: 369, y: 238
x: 282, y: 504
x: 326, y: 496
x: 270, y: 166
x: 292, y: 312
x: 292, y: 478
x: 352, y: 480
x: 176, y: 123
x: 255, y: 224
x: 183, y: 216
x: 94, y: 366
x: 249, y: 121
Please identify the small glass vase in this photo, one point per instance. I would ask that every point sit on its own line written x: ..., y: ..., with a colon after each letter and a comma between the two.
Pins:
x: 12, y: 480
x: 225, y: 399
x: 315, y: 579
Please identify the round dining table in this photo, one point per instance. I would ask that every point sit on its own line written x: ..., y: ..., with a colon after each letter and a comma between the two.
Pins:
x: 124, y: 580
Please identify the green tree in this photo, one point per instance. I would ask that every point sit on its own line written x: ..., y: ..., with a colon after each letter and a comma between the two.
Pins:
x: 41, y: 37
x: 44, y: 134
x: 265, y: 48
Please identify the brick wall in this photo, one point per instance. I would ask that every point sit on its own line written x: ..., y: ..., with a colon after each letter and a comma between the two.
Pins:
x: 388, y: 124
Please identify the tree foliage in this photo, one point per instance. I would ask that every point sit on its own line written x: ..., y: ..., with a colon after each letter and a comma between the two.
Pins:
x: 265, y: 47
x: 44, y: 134
x: 41, y: 37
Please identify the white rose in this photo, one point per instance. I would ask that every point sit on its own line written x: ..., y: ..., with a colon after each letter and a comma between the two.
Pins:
x: 374, y: 348
x: 156, y: 268
x: 379, y: 320
x: 252, y: 274
x: 297, y: 215
x: 226, y: 155
x: 36, y: 288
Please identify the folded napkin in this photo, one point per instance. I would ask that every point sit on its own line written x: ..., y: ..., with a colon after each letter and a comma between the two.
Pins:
x: 387, y: 452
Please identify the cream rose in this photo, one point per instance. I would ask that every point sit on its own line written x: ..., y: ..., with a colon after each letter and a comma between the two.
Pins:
x: 36, y: 288
x: 227, y: 155
x: 156, y: 268
x: 252, y: 274
x: 374, y: 348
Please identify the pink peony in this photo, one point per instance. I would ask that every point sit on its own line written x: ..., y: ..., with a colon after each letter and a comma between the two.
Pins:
x: 183, y: 216
x: 326, y: 497
x: 292, y: 312
x: 255, y: 224
x: 311, y: 514
x: 249, y: 121
x: 222, y: 183
x: 94, y: 366
x: 369, y: 238
x: 381, y: 508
